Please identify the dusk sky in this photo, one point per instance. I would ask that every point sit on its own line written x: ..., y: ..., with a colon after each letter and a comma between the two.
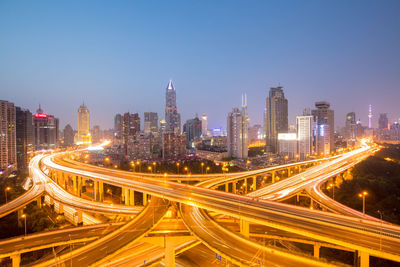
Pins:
x: 118, y: 56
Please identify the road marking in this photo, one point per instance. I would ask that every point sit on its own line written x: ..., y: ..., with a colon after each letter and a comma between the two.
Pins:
x: 120, y: 237
x: 103, y: 248
x: 82, y: 258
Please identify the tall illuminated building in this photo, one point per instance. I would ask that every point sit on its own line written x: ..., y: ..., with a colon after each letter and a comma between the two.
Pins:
x: 237, y: 130
x: 172, y: 117
x: 150, y: 122
x: 68, y: 135
x: 324, y: 127
x: 84, y: 136
x: 276, y: 117
x: 383, y: 121
x: 45, y: 130
x: 24, y: 136
x: 350, y: 126
x: 305, y: 137
x: 204, y: 125
x: 8, y: 148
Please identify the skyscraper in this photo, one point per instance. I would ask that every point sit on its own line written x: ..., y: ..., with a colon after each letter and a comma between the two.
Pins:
x: 204, y: 125
x: 370, y: 117
x: 324, y: 127
x: 383, y: 121
x: 8, y: 149
x: 150, y: 122
x: 305, y: 127
x: 118, y: 128
x: 68, y: 135
x: 84, y: 136
x: 350, y: 126
x: 192, y: 129
x: 172, y: 117
x: 45, y: 130
x: 276, y: 117
x: 24, y: 136
x: 237, y: 128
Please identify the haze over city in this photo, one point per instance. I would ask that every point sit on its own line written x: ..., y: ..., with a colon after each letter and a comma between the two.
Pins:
x: 119, y: 56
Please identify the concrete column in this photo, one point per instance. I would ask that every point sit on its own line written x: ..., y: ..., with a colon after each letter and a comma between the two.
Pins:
x: 273, y: 177
x: 16, y: 260
x: 254, y: 184
x: 101, y: 191
x: 52, y: 202
x: 227, y: 187
x: 80, y: 219
x: 288, y: 172
x: 75, y: 184
x: 169, y: 254
x: 316, y: 251
x: 20, y: 212
x: 125, y: 192
x: 234, y: 187
x: 311, y: 203
x: 364, y: 259
x: 244, y: 228
x: 60, y: 208
x: 132, y: 197
x: 298, y: 197
x: 144, y: 199
x: 39, y: 202
x: 96, y: 190
x: 79, y: 186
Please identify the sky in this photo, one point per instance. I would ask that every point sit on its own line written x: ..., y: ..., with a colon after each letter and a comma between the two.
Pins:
x: 118, y: 56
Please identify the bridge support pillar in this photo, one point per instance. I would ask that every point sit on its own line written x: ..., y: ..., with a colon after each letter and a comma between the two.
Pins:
x: 244, y: 228
x: 364, y: 259
x: 75, y: 184
x: 60, y: 208
x: 316, y: 250
x: 39, y: 201
x: 132, y: 197
x: 169, y: 254
x: 288, y: 172
x: 125, y: 195
x: 227, y: 187
x: 273, y: 177
x: 16, y: 260
x: 144, y: 199
x: 311, y: 203
x: 79, y: 218
x: 52, y: 203
x: 254, y: 184
x: 98, y: 191
x: 234, y: 187
x: 20, y: 212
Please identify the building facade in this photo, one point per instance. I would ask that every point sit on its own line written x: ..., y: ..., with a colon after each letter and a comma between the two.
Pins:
x: 173, y: 145
x: 68, y: 135
x: 8, y: 148
x: 287, y: 145
x: 325, y: 125
x: 45, y: 130
x: 204, y: 125
x: 172, y: 117
x: 237, y: 130
x: 351, y: 127
x: 305, y: 136
x: 24, y: 137
x: 150, y: 122
x: 84, y: 136
x: 192, y: 129
x: 276, y: 117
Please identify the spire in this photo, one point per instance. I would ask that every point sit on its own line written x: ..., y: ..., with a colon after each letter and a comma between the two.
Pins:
x: 170, y: 85
x: 40, y: 111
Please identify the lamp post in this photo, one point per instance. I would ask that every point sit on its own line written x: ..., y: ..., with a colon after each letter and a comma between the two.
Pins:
x: 363, y: 194
x: 138, y: 163
x: 177, y: 167
x: 333, y: 190
x: 202, y: 167
x: 207, y: 169
x: 24, y: 216
x: 6, y: 190
x: 150, y: 169
x: 155, y: 166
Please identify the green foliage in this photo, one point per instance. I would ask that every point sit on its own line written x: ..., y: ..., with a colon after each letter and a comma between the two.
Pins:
x: 381, y: 179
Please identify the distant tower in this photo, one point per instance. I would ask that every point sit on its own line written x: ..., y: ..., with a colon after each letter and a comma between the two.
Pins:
x: 172, y: 117
x: 204, y: 125
x: 237, y: 130
x: 83, y: 125
x: 370, y: 117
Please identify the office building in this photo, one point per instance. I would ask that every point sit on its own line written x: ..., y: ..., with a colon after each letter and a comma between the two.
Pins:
x: 173, y: 145
x: 150, y: 122
x: 383, y: 121
x: 84, y: 136
x: 118, y: 128
x: 237, y: 130
x: 97, y: 134
x: 305, y: 137
x: 68, y: 135
x: 287, y: 145
x: 276, y: 117
x: 204, y: 125
x: 45, y: 130
x: 8, y: 148
x: 192, y: 129
x: 324, y: 127
x: 24, y: 136
x: 172, y: 117
x: 350, y: 127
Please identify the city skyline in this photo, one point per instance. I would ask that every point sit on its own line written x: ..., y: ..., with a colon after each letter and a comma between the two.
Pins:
x: 105, y: 59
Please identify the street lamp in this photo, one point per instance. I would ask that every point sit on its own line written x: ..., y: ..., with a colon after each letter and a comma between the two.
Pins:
x: 133, y: 166
x: 154, y: 164
x: 202, y: 166
x: 138, y: 163
x: 6, y: 190
x: 150, y: 169
x: 24, y: 216
x: 207, y: 169
x: 363, y: 194
x: 177, y: 167
x: 333, y: 190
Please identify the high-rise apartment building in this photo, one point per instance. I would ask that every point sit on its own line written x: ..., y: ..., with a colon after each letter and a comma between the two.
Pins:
x: 204, y: 125
x: 97, y: 134
x: 126, y: 127
x: 84, y: 136
x: 150, y: 122
x: 305, y: 137
x: 173, y: 145
x: 276, y: 117
x: 24, y: 136
x: 287, y: 145
x: 324, y: 127
x: 172, y: 117
x: 118, y: 127
x: 8, y: 148
x: 192, y: 129
x: 237, y: 129
x: 45, y: 130
x: 350, y: 126
x: 383, y: 121
x: 68, y: 135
